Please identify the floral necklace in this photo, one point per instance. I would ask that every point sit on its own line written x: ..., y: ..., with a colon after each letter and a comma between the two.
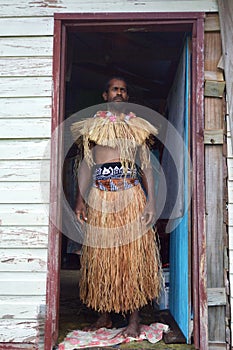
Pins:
x: 113, y: 117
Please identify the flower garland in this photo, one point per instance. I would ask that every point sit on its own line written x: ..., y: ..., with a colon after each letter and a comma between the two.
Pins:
x: 113, y: 117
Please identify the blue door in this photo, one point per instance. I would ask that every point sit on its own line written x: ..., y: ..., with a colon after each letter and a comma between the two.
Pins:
x: 179, y: 289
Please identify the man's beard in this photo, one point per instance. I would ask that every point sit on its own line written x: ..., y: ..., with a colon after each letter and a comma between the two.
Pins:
x: 118, y: 107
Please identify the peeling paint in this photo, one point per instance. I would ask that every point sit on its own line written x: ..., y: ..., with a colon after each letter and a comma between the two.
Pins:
x: 30, y: 339
x: 10, y: 175
x: 48, y: 4
x: 140, y: 3
x: 10, y: 260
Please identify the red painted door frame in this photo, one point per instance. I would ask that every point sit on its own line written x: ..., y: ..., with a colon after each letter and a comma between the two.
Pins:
x: 193, y: 22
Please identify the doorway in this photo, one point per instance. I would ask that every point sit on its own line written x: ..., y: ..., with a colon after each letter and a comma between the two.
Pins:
x: 147, y: 54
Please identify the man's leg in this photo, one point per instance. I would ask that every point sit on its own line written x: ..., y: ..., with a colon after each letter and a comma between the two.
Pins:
x: 133, y: 328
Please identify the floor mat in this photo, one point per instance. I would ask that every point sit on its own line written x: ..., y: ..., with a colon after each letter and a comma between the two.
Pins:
x: 109, y: 337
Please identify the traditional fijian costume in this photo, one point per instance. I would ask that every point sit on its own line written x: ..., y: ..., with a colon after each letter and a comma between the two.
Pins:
x: 120, y: 265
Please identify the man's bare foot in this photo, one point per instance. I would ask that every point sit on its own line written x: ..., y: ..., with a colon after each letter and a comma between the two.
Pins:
x: 133, y: 329
x: 104, y: 321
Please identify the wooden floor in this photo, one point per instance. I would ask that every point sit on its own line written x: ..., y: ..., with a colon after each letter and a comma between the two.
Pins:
x: 74, y: 315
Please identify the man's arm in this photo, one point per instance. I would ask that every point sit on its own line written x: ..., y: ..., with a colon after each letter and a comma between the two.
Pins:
x: 148, y: 183
x: 84, y: 178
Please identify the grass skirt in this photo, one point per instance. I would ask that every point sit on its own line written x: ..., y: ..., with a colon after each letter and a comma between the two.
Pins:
x: 120, y: 264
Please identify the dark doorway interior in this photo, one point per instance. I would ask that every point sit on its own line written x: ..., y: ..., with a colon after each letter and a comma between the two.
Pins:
x: 147, y: 60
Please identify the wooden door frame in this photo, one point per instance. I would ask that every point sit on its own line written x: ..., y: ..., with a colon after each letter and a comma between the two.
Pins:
x: 194, y: 23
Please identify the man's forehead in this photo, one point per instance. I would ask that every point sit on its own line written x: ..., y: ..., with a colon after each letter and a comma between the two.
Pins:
x: 117, y: 83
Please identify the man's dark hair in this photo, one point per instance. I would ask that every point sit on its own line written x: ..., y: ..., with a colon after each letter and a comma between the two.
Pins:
x: 107, y: 85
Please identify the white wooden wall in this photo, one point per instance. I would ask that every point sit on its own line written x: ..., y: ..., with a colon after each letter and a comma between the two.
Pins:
x: 26, y: 54
x: 26, y: 45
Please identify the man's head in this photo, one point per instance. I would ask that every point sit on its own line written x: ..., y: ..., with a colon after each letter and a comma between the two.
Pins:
x: 116, y: 90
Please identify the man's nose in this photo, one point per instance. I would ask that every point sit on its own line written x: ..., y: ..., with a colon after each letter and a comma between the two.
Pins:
x: 119, y: 92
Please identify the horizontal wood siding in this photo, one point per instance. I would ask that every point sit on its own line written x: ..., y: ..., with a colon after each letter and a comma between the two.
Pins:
x: 28, y: 128
x: 30, y: 283
x: 24, y: 149
x: 26, y: 50
x: 33, y: 107
x: 23, y: 260
x: 26, y: 66
x: 26, y: 307
x: 28, y: 87
x: 26, y: 46
x: 24, y: 192
x: 23, y: 214
x: 49, y: 7
x: 31, y: 27
x: 24, y: 170
x: 28, y: 331
x: 24, y: 237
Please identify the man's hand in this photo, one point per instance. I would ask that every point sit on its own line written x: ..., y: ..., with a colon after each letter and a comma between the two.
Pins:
x: 149, y: 214
x: 81, y: 212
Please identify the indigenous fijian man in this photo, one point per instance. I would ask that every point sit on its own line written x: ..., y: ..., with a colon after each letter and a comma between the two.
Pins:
x: 120, y: 265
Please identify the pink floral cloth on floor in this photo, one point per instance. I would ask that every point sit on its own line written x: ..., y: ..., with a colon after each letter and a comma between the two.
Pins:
x: 109, y: 337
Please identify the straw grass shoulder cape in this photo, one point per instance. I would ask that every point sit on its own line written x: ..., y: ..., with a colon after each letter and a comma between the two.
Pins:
x: 126, y: 132
x: 120, y: 264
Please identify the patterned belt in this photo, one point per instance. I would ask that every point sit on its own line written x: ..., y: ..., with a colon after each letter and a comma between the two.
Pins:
x: 115, y: 184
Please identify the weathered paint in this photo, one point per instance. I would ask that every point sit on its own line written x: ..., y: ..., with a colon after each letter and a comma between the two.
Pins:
x: 198, y: 214
x: 26, y: 66
x: 26, y: 26
x: 26, y: 87
x: 25, y: 237
x: 226, y: 18
x: 49, y: 7
x: 24, y: 307
x: 26, y: 46
x: 28, y: 331
x: 53, y: 277
x: 18, y: 192
x: 24, y: 260
x: 24, y: 170
x: 22, y: 284
x: 22, y: 346
x: 26, y: 51
x: 25, y: 107
x: 215, y: 206
x: 37, y: 128
x: 25, y: 149
x: 22, y: 214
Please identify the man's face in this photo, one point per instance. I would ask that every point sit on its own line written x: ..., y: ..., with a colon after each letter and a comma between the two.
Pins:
x: 117, y: 91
